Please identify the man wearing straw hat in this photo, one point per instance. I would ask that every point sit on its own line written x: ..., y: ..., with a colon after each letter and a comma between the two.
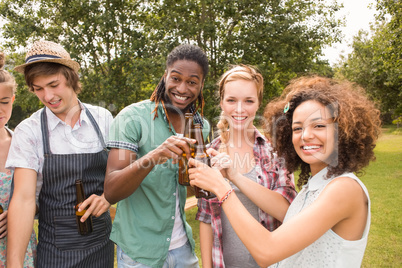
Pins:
x: 57, y: 145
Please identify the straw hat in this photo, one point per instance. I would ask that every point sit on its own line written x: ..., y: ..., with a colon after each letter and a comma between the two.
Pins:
x: 46, y: 51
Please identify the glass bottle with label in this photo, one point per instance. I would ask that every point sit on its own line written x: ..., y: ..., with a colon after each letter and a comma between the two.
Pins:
x: 1, y: 211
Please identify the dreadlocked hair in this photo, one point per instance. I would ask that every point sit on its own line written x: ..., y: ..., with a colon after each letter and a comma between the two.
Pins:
x: 181, y: 52
x: 157, y: 96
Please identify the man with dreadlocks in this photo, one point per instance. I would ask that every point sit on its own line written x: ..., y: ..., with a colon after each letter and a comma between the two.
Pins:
x: 150, y: 227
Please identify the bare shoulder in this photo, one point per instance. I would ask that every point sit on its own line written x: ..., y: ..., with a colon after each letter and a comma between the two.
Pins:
x: 351, y: 204
x: 345, y: 190
x: 345, y: 184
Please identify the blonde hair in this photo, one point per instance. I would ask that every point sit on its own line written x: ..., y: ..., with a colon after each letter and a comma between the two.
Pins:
x: 5, y: 77
x: 235, y: 73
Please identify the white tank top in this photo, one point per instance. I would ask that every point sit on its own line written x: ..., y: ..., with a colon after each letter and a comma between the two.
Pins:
x: 330, y: 250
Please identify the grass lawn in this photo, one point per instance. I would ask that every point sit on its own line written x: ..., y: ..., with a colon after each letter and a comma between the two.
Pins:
x: 383, y: 178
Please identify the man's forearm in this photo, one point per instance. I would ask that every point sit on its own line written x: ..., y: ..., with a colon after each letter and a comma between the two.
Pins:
x: 120, y: 184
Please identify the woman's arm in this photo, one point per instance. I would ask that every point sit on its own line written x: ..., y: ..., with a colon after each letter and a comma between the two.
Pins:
x: 271, y: 202
x: 336, y: 203
x: 206, y: 241
x: 21, y: 216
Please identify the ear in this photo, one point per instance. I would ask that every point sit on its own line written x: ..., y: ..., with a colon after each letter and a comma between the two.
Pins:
x: 221, y: 104
x: 13, y: 99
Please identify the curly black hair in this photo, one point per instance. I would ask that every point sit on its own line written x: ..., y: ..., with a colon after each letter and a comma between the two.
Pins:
x: 358, y: 123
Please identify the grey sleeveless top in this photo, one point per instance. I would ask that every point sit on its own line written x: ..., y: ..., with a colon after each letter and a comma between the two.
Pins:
x: 235, y: 254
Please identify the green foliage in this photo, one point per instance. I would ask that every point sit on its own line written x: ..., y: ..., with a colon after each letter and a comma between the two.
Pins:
x: 397, y: 121
x: 376, y: 62
x: 122, y: 44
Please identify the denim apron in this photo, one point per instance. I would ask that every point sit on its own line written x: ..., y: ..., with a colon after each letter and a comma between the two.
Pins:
x: 60, y: 245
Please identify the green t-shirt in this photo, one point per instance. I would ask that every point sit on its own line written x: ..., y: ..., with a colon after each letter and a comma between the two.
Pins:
x: 144, y: 221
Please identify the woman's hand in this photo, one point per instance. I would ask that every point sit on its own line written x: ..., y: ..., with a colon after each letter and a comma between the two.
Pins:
x: 207, y: 178
x: 222, y: 162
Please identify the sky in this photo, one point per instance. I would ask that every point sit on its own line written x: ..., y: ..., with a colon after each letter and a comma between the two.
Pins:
x: 358, y: 17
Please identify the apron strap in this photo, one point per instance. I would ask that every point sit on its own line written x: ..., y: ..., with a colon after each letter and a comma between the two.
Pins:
x: 96, y: 126
x: 45, y: 130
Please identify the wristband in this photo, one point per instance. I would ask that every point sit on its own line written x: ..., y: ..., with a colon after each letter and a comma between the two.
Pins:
x: 225, y: 196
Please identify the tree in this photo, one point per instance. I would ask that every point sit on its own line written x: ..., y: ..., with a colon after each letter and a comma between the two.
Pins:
x: 105, y: 37
x: 375, y: 62
x: 282, y: 38
x: 122, y: 44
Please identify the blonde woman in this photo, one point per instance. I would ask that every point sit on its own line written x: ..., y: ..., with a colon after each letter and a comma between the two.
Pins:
x: 259, y: 179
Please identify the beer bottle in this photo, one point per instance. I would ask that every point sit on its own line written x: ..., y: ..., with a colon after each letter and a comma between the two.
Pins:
x: 202, y: 156
x: 1, y: 212
x: 183, y: 162
x: 85, y: 227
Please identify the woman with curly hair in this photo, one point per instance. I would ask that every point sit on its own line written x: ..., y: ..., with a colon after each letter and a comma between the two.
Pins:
x: 327, y: 130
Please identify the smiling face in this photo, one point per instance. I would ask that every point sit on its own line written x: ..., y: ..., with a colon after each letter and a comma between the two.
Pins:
x: 54, y: 93
x: 240, y: 103
x: 6, y: 104
x: 313, y: 135
x: 183, y: 82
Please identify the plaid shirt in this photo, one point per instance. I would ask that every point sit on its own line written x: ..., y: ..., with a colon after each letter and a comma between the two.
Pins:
x: 270, y: 175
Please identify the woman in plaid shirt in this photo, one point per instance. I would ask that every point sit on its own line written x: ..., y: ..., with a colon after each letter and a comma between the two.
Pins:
x: 264, y: 181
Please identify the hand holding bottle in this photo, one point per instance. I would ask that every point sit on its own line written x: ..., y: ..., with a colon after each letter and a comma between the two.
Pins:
x: 207, y: 178
x: 222, y: 162
x: 95, y: 205
x: 172, y: 148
